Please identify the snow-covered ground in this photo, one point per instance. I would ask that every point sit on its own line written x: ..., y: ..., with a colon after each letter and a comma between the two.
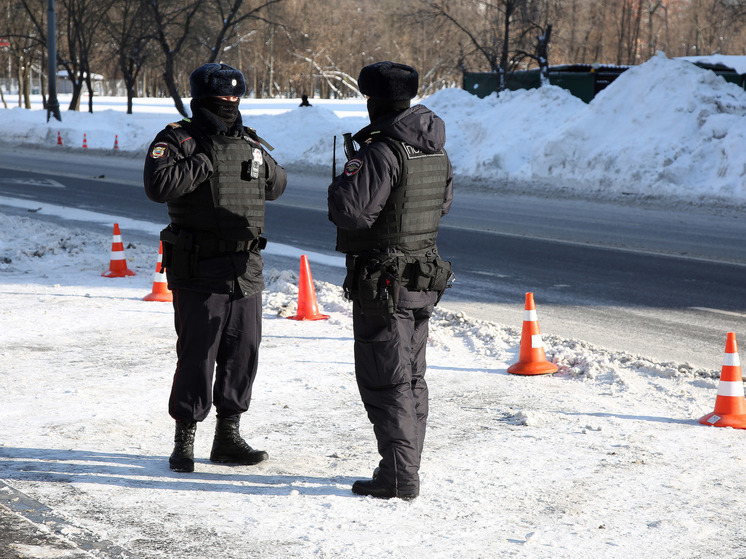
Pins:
x: 606, y: 458
x: 603, y: 459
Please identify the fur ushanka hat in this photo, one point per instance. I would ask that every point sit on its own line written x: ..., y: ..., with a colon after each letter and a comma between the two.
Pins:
x: 388, y: 80
x: 216, y: 80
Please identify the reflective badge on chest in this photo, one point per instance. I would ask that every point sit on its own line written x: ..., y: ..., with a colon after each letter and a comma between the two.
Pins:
x: 256, y: 162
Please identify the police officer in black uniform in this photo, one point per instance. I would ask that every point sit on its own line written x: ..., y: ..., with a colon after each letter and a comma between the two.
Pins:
x: 387, y: 206
x: 214, y: 174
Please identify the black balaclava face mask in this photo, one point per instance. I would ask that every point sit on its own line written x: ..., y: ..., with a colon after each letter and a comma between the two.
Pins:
x: 379, y: 108
x: 226, y: 111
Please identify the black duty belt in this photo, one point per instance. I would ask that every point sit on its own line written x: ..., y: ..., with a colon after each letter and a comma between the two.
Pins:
x: 201, y: 245
x: 209, y: 247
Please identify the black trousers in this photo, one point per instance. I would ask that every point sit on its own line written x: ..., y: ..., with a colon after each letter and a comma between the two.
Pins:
x: 390, y: 368
x: 218, y: 337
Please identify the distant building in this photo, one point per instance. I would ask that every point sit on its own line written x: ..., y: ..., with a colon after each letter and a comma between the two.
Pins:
x: 64, y: 85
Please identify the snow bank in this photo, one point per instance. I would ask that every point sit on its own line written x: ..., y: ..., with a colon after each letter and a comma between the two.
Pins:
x: 663, y: 128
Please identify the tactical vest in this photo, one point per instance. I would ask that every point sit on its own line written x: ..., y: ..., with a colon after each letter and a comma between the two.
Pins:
x: 409, y: 220
x: 230, y: 205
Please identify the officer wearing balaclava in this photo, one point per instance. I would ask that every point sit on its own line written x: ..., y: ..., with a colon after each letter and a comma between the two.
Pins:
x: 214, y: 174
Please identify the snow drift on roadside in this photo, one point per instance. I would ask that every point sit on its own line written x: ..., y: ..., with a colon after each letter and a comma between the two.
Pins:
x: 494, y: 137
x: 664, y: 127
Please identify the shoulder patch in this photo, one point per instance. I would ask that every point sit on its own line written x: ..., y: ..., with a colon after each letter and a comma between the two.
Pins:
x: 175, y: 125
x: 414, y: 153
x: 159, y: 150
x: 353, y: 166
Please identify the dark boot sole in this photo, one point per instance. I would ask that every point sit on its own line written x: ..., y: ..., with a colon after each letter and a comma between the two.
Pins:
x: 368, y: 489
x: 232, y: 460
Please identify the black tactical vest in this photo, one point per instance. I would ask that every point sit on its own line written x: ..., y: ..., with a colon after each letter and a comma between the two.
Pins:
x: 409, y: 220
x: 230, y: 205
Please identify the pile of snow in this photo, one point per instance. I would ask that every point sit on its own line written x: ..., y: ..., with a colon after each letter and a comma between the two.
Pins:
x: 493, y: 138
x: 664, y: 128
x: 603, y: 459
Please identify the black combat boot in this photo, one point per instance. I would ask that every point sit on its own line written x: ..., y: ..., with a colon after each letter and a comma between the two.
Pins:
x: 228, y: 446
x: 374, y: 488
x: 182, y: 458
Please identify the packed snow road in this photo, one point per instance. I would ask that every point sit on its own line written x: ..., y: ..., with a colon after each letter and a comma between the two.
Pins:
x: 654, y: 278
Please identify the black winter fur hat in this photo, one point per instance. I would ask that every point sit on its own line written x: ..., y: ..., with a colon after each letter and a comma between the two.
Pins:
x: 216, y: 80
x: 388, y: 80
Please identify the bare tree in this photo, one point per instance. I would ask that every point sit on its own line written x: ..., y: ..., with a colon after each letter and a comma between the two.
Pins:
x: 710, y: 18
x: 24, y: 32
x: 80, y: 20
x: 231, y: 20
x: 487, y: 41
x: 541, y: 55
x: 173, y: 20
x: 652, y: 6
x: 331, y: 76
x: 628, y: 30
x: 500, y: 32
x: 290, y: 47
x: 128, y: 25
x: 83, y: 19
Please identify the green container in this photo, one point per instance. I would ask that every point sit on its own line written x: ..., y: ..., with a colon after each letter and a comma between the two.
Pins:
x: 580, y: 84
x: 583, y: 82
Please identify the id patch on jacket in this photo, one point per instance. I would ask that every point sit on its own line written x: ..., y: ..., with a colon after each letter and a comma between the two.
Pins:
x: 159, y: 150
x: 353, y: 166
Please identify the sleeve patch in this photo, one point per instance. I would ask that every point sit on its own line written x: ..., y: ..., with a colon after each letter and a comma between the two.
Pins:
x: 159, y: 150
x: 353, y: 166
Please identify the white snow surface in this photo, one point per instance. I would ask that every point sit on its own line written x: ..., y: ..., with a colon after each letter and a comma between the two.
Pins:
x: 605, y: 458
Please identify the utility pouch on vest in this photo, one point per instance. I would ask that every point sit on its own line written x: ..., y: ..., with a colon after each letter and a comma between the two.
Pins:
x: 180, y: 253
x: 431, y: 274
x: 378, y: 286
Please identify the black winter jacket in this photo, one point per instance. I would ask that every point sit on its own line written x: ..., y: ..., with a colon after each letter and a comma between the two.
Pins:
x: 178, y: 163
x: 359, y: 193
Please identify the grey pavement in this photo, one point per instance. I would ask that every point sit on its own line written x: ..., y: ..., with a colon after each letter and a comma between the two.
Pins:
x: 31, y: 530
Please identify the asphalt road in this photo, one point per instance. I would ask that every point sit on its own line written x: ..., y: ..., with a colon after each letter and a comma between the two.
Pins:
x: 655, y: 279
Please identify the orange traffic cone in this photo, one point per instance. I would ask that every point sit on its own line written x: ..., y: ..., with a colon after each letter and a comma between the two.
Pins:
x: 116, y: 141
x: 85, y: 142
x: 160, y: 292
x: 730, y: 404
x: 118, y: 265
x: 308, y: 308
x: 59, y: 139
x: 531, y: 357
